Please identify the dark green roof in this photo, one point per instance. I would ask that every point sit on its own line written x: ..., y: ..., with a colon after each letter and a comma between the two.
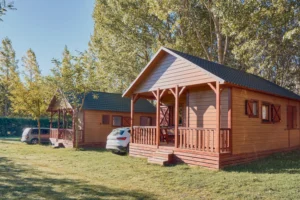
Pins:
x: 238, y: 77
x: 115, y: 102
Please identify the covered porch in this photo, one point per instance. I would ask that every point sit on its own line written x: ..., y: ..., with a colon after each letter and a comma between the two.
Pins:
x: 191, y: 121
x: 64, y: 135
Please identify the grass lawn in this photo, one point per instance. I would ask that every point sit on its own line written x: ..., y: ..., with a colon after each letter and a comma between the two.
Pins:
x: 40, y: 172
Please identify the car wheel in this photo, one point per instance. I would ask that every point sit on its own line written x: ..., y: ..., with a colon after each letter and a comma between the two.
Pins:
x: 34, y: 141
x: 127, y: 149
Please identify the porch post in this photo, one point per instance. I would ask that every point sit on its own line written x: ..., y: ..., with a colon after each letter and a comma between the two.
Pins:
x: 157, y: 117
x: 218, y: 116
x: 51, y: 119
x: 131, y: 118
x: 58, y: 122
x: 64, y: 119
x: 176, y: 115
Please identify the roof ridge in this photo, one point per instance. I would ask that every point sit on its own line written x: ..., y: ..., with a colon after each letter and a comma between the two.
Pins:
x: 210, y: 67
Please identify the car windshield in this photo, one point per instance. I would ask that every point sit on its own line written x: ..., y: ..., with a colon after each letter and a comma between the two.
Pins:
x: 118, y: 131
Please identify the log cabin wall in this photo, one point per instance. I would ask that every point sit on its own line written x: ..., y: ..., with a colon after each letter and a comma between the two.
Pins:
x: 171, y: 71
x: 250, y: 135
x: 202, y: 108
x: 95, y: 133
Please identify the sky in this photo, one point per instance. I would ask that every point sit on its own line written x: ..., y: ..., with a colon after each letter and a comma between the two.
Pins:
x: 46, y: 26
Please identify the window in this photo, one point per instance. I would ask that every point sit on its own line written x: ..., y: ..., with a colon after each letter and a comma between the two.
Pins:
x: 105, y: 119
x: 117, y: 121
x: 265, y: 112
x: 145, y: 121
x: 251, y: 108
x: 291, y: 117
x: 126, y: 121
x: 45, y: 131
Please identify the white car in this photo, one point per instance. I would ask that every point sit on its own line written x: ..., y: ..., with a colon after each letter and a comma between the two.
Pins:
x: 118, y: 140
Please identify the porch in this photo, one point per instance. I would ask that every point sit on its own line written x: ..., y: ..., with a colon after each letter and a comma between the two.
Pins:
x: 64, y: 135
x: 193, y: 125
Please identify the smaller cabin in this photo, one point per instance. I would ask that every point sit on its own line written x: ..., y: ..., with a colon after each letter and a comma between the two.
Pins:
x: 101, y: 113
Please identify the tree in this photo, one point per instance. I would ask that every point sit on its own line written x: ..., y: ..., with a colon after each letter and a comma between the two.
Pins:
x: 8, y: 72
x: 4, y: 7
x: 74, y: 77
x: 261, y: 37
x: 32, y: 96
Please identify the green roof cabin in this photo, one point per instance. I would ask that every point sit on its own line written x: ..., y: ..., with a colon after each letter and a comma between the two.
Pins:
x: 99, y: 116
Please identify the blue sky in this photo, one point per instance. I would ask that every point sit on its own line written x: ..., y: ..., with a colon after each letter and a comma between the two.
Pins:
x: 47, y: 26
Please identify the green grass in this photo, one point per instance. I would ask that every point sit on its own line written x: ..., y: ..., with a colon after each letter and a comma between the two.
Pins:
x: 40, y: 172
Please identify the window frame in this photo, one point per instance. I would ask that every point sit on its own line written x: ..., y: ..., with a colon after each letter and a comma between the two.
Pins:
x: 269, y: 120
x: 113, y: 120
x: 146, y: 117
x: 108, y: 119
x: 294, y: 117
x: 251, y: 101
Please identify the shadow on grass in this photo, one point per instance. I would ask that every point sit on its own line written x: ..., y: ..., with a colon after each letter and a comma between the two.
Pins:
x: 13, y: 139
x: 22, y: 182
x: 288, y: 162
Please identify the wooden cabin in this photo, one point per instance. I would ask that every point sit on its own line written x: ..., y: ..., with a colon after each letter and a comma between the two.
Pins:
x: 210, y: 115
x: 101, y: 113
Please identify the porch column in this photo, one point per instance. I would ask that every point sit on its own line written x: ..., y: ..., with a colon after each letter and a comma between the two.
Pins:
x: 176, y: 115
x: 64, y: 119
x: 218, y: 116
x: 58, y: 122
x: 131, y: 118
x: 157, y: 117
x: 51, y: 119
x: 134, y: 98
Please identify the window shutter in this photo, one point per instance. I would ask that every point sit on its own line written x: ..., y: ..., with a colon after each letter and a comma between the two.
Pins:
x: 289, y: 117
x: 126, y: 121
x: 295, y: 125
x: 248, y: 108
x: 275, y: 113
x: 105, y: 119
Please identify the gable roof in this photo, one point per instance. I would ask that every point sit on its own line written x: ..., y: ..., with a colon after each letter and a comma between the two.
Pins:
x: 227, y: 74
x: 115, y: 102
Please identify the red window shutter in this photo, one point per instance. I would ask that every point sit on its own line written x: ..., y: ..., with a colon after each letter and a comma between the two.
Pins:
x: 295, y: 124
x: 126, y: 121
x: 275, y: 113
x: 105, y: 119
x: 289, y: 117
x: 248, y: 108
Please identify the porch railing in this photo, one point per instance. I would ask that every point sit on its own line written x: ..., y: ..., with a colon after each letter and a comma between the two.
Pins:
x: 199, y: 139
x: 65, y: 134
x: 144, y: 135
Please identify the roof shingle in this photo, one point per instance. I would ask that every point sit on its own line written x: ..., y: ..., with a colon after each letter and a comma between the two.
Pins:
x: 115, y: 102
x: 238, y: 77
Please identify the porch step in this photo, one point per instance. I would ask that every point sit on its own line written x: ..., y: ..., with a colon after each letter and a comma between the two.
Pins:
x: 161, y: 157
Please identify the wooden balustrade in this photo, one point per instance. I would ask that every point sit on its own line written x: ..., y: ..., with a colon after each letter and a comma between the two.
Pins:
x: 225, y: 140
x: 65, y: 134
x: 199, y: 139
x: 144, y: 135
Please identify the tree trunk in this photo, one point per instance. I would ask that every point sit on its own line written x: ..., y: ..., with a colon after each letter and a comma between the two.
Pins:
x: 39, y: 127
x: 76, y: 129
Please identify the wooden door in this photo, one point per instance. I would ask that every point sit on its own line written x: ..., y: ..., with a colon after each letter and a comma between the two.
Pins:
x: 166, y: 116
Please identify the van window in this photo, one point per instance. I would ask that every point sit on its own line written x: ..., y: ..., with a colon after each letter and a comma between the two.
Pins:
x: 45, y: 131
x: 34, y: 131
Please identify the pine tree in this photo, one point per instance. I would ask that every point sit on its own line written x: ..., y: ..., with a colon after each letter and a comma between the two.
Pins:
x: 8, y: 72
x: 4, y: 7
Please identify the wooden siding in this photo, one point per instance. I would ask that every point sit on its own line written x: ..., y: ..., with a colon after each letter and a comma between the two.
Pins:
x: 202, y: 108
x: 171, y: 71
x: 250, y: 134
x: 96, y: 132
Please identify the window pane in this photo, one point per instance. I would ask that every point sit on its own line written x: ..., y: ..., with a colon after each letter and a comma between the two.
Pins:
x: 265, y: 112
x: 254, y: 108
x: 117, y: 121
